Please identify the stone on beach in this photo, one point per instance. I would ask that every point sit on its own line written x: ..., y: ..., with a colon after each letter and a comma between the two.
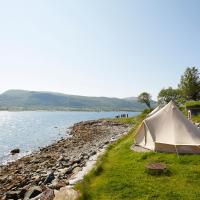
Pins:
x: 12, y: 195
x: 33, y: 192
x: 15, y: 151
x: 67, y: 193
x: 50, y: 178
x: 48, y: 194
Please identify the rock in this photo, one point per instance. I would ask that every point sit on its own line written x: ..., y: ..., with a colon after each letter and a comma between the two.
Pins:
x: 12, y: 195
x: 65, y: 163
x: 22, y: 193
x: 76, y: 170
x: 36, y: 179
x: 65, y: 171
x: 3, y: 198
x: 67, y: 193
x: 61, y: 158
x: 56, y: 185
x: 33, y: 192
x: 62, y: 172
x: 49, y: 178
x: 48, y: 194
x: 37, y: 197
x: 75, y: 165
x: 93, y: 153
x: 107, y: 142
x: 15, y: 151
x: 3, y: 178
x: 156, y: 168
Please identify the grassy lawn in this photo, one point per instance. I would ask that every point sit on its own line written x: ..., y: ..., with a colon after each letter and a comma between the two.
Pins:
x: 120, y: 174
x: 196, y: 118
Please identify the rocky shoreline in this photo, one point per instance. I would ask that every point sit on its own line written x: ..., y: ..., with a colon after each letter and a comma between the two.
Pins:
x: 42, y: 174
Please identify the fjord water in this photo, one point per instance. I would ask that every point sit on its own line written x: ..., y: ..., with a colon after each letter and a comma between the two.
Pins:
x: 30, y: 130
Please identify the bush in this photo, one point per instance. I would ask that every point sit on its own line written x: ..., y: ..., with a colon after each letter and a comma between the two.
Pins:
x: 192, y: 104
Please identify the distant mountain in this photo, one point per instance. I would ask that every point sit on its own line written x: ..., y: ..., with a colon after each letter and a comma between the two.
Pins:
x: 31, y: 100
x: 131, y: 98
x: 153, y: 103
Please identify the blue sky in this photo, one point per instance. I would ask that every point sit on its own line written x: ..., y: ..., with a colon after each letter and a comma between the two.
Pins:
x: 97, y: 48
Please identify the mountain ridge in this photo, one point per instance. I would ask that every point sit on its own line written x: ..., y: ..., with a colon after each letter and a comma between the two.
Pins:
x: 46, y: 100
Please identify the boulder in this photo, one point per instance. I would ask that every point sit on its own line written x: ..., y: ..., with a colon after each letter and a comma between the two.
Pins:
x: 48, y: 194
x: 66, y: 193
x: 15, y: 151
x: 33, y: 192
x: 76, y: 170
x: 22, y: 193
x: 36, y: 179
x: 50, y: 177
x: 64, y: 171
x: 12, y: 195
x: 57, y: 184
x: 92, y: 153
x: 65, y: 163
x: 37, y: 197
x: 156, y: 168
x: 61, y: 158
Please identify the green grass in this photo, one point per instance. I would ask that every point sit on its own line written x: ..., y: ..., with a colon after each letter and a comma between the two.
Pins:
x: 130, y: 120
x: 120, y: 175
x: 196, y: 118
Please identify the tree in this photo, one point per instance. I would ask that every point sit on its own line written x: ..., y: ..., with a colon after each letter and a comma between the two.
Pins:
x: 190, y: 84
x: 166, y: 95
x: 145, y: 97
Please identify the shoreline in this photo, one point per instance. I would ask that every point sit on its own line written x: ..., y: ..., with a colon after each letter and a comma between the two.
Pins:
x: 8, y: 158
x: 55, y: 165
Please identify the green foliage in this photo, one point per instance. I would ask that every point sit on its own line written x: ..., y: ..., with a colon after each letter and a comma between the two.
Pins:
x: 145, y: 97
x: 166, y: 95
x: 190, y: 84
x: 196, y: 118
x: 191, y: 104
x: 146, y: 111
x: 120, y: 174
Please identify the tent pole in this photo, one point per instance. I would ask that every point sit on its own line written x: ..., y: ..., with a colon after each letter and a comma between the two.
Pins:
x: 176, y: 151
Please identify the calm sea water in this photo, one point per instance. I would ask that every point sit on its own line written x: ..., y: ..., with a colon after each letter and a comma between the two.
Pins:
x: 30, y: 130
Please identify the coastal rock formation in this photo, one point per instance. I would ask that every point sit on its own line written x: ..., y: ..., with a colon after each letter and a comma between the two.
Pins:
x: 15, y: 151
x: 42, y: 174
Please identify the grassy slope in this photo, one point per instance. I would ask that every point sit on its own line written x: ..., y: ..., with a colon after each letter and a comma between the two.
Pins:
x: 120, y: 174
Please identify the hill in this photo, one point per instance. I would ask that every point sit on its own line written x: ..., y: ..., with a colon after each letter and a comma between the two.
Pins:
x: 31, y: 100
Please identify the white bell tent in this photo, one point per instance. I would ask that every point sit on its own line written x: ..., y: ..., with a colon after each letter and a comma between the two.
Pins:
x: 168, y: 130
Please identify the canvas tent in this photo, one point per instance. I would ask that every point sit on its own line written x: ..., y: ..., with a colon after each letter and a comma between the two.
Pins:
x: 154, y: 111
x: 168, y: 130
